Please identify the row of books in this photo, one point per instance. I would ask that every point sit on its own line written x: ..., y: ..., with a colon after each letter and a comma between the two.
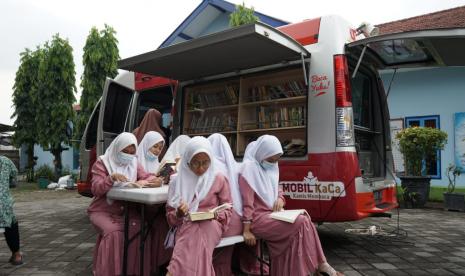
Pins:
x: 228, y: 95
x: 212, y: 123
x: 292, y: 147
x: 275, y: 117
x: 271, y: 92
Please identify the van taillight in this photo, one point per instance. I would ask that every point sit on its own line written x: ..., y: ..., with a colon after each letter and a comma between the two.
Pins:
x: 342, y: 83
x: 344, y: 113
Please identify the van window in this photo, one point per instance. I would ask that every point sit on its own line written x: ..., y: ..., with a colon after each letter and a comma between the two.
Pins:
x: 159, y: 98
x: 91, y: 134
x: 361, y: 102
x: 116, y: 108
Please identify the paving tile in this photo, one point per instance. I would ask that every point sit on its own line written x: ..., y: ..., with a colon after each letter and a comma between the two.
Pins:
x: 383, y: 266
x: 63, y: 242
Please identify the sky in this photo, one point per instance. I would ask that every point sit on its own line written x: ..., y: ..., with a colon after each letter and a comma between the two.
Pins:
x: 142, y: 25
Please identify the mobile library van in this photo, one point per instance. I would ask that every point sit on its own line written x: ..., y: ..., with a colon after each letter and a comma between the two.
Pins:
x: 314, y: 84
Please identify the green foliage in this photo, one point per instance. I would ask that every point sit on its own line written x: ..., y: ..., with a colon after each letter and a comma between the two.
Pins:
x: 418, y: 144
x: 55, y: 96
x: 242, y: 15
x: 26, y: 82
x: 44, y: 171
x: 100, y: 61
x: 452, y: 172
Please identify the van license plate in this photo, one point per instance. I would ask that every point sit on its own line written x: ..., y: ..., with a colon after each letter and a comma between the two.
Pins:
x: 378, y: 195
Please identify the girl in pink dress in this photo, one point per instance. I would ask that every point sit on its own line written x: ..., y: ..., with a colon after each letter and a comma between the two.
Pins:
x: 198, y: 186
x: 294, y: 249
x: 116, y: 167
x: 225, y: 162
x: 148, y: 153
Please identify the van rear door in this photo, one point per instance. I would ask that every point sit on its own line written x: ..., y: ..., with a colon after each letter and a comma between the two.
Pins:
x: 427, y: 48
x: 415, y: 49
x: 114, y: 110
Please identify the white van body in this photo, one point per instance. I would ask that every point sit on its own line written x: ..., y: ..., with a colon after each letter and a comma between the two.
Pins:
x: 346, y: 171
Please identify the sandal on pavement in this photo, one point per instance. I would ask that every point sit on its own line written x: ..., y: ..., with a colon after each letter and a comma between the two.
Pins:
x: 327, y: 270
x: 13, y: 260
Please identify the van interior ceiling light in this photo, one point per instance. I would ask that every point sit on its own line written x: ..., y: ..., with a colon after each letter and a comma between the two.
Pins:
x: 367, y: 29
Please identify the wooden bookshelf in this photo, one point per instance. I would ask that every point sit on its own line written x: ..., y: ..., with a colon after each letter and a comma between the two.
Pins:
x: 247, y: 107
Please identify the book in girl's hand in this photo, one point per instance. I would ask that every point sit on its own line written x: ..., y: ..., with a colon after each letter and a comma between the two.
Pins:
x: 166, y: 168
x: 210, y: 214
x: 288, y: 215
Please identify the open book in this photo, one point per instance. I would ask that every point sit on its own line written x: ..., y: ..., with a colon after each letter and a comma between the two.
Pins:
x: 288, y: 215
x: 127, y: 184
x: 195, y: 216
x: 166, y: 168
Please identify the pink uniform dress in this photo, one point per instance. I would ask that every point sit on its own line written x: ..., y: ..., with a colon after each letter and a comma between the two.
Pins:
x: 108, y: 220
x: 294, y: 249
x: 195, y: 241
x: 222, y: 257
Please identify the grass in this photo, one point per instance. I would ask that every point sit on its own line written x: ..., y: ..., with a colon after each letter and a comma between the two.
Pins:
x: 435, y: 193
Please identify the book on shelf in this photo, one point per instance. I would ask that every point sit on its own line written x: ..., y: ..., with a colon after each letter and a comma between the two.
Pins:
x: 289, y: 89
x: 212, y: 123
x: 275, y: 117
x: 210, y: 214
x: 288, y: 215
x: 227, y: 95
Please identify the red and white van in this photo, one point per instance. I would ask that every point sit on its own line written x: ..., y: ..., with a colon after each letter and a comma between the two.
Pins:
x: 345, y: 172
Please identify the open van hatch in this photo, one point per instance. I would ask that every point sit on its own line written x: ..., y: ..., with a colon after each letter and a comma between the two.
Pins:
x: 426, y: 48
x: 232, y: 50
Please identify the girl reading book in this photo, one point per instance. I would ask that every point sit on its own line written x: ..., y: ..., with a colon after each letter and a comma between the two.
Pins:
x: 148, y: 151
x: 197, y: 187
x: 117, y: 167
x: 294, y: 249
x: 176, y: 150
x: 147, y: 154
x: 224, y: 161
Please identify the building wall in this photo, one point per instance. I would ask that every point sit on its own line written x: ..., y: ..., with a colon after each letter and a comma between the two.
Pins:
x: 219, y: 24
x: 438, y: 91
x: 46, y: 158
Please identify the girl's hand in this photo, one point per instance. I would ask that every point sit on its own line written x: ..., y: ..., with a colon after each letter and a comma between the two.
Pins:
x: 117, y: 177
x: 182, y: 210
x: 249, y: 238
x: 155, y: 182
x: 278, y: 205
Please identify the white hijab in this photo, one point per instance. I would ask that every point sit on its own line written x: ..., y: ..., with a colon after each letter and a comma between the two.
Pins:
x: 110, y: 158
x: 225, y: 163
x: 176, y: 148
x: 187, y: 184
x: 263, y: 182
x: 150, y: 139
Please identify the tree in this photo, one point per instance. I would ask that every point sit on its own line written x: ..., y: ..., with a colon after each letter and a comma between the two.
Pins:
x: 55, y: 97
x: 100, y: 61
x: 242, y: 15
x: 24, y: 110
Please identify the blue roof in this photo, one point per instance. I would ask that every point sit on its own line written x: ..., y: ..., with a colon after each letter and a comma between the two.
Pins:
x: 221, y: 6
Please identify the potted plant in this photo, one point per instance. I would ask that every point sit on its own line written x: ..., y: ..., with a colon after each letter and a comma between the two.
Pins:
x: 418, y: 144
x: 453, y: 200
x: 43, y: 175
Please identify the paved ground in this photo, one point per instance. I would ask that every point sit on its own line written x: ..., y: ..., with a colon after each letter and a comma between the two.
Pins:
x: 57, y: 239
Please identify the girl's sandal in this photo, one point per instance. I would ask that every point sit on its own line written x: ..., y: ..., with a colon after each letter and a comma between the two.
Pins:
x: 13, y: 260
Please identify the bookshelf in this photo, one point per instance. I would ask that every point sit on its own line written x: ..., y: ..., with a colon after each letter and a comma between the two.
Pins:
x: 247, y: 107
